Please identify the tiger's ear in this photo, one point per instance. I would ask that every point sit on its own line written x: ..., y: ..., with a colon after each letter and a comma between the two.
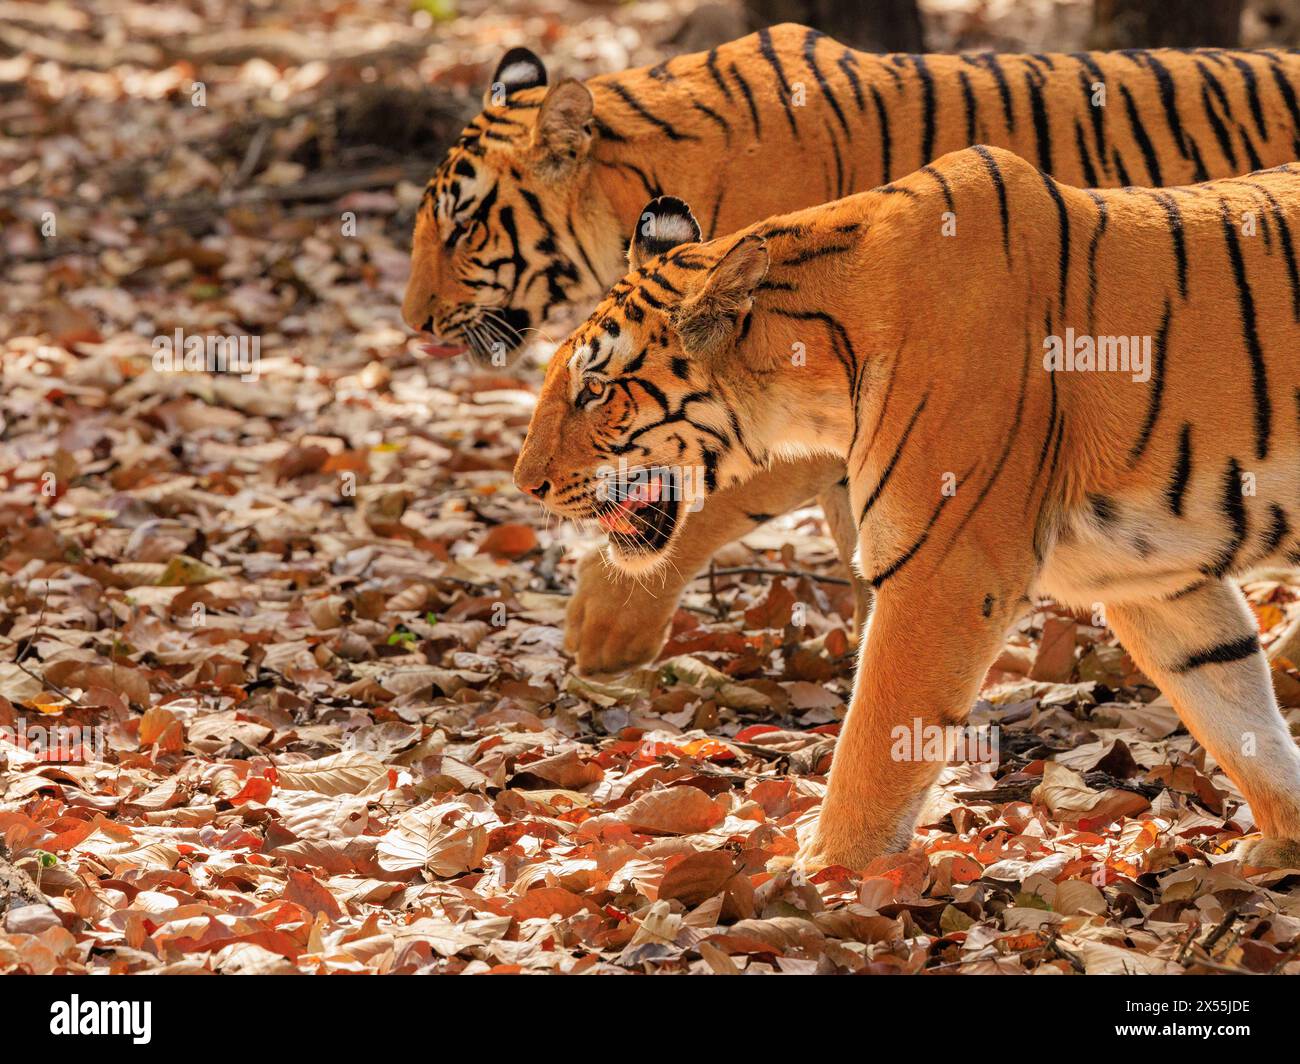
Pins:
x: 708, y: 318
x: 563, y: 131
x: 519, y: 69
x: 665, y: 223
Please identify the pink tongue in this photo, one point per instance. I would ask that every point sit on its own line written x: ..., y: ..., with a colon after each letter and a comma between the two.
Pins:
x: 639, y: 497
x: 442, y: 350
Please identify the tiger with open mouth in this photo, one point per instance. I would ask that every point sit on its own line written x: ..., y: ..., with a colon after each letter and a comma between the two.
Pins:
x: 532, y: 209
x: 958, y: 331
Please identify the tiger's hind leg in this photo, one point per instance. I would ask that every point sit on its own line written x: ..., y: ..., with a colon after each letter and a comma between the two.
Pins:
x: 839, y: 518
x: 1203, y: 651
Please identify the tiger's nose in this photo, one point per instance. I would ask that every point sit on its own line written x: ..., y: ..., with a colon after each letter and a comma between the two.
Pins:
x: 537, y: 489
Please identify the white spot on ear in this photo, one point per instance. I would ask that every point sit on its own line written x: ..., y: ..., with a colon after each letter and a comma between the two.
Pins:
x: 673, y: 229
x: 521, y: 73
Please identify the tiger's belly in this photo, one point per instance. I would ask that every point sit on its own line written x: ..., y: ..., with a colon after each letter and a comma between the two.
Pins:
x: 1130, y: 546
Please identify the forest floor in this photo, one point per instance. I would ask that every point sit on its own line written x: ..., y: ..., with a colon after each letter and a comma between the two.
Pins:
x: 306, y: 638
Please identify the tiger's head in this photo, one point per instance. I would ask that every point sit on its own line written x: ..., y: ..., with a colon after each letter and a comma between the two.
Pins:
x: 512, y: 225
x: 644, y: 408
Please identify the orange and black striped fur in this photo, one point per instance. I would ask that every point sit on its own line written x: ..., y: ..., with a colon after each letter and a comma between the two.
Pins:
x: 533, y: 208
x: 983, y: 470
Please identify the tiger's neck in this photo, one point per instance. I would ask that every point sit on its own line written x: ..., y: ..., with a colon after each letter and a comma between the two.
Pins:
x: 791, y: 395
x: 811, y: 349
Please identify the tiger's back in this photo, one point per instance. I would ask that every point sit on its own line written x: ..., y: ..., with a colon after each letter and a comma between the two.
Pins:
x: 819, y: 121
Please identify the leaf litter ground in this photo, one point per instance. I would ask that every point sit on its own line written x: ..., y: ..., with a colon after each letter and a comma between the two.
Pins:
x: 310, y: 638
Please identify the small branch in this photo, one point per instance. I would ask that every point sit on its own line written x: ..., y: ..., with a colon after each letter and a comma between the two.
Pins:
x: 1021, y: 792
x: 752, y: 570
x: 1287, y: 958
x: 1204, y: 960
x: 720, y: 611
x: 16, y: 885
x: 1066, y: 955
x: 765, y: 752
x: 253, y: 156
x: 31, y: 639
x: 1221, y: 929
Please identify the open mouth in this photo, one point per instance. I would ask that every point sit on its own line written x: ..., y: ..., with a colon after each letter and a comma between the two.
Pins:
x: 494, y: 338
x: 641, y: 514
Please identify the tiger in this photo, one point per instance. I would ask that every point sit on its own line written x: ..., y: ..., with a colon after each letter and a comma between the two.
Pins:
x: 532, y: 209
x: 946, y: 337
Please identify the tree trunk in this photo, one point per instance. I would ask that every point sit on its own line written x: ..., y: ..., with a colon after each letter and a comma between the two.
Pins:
x: 1166, y: 24
x: 872, y: 25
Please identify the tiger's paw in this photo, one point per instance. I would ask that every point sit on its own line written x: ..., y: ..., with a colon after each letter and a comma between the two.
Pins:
x: 798, y: 868
x: 613, y: 622
x: 820, y: 853
x: 1268, y: 853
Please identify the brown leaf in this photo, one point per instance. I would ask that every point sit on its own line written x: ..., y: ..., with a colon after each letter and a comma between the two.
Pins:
x: 545, y: 902
x: 311, y: 894
x: 698, y: 876
x: 509, y: 541
x: 566, y: 770
x: 1054, y: 662
x: 775, y: 609
x: 671, y: 811
x: 421, y: 840
x: 154, y: 724
x: 345, y: 773
x: 1072, y: 801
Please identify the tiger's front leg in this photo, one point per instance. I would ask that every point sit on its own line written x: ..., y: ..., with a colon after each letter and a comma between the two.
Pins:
x: 932, y: 636
x: 617, y: 621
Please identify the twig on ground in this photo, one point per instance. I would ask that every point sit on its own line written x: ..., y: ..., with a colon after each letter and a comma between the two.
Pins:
x: 752, y: 570
x: 50, y: 684
x: 1066, y: 955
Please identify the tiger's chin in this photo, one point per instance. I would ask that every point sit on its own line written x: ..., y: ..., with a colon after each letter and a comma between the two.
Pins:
x: 495, y: 339
x: 636, y: 557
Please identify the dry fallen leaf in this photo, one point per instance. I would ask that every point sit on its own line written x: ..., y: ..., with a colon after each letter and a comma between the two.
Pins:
x: 671, y: 811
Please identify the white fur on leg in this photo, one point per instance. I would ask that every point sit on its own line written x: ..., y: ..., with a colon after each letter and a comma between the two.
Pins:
x: 1201, y: 649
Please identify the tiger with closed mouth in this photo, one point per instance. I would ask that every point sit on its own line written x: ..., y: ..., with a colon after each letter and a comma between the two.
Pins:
x: 532, y: 208
x: 993, y: 456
